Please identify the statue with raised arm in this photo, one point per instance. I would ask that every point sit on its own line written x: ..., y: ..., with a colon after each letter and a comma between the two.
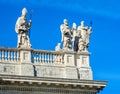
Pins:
x: 84, y: 35
x: 66, y: 35
x: 22, y: 27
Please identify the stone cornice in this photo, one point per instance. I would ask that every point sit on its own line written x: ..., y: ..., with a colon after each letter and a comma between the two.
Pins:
x: 56, y: 82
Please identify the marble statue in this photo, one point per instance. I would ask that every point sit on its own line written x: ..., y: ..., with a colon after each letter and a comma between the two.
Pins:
x: 77, y: 38
x: 74, y: 37
x: 84, y: 35
x: 66, y: 35
x: 22, y: 27
x: 74, y: 30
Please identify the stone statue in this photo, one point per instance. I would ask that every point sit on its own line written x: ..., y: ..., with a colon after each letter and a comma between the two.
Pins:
x: 74, y: 30
x: 66, y: 35
x: 22, y: 28
x: 84, y: 34
x: 88, y: 36
x: 74, y: 37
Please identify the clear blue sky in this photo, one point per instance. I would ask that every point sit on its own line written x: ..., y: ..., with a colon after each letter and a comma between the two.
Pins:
x: 45, y: 31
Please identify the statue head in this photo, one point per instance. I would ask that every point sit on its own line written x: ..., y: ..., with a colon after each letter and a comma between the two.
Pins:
x: 24, y: 12
x: 65, y: 21
x: 74, y: 26
x: 82, y: 23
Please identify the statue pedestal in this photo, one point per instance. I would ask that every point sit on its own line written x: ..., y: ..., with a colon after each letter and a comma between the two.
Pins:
x: 26, y: 65
x: 84, y: 69
x: 70, y: 67
x: 25, y: 55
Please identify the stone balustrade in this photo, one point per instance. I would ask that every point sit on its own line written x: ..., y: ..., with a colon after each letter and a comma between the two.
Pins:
x: 9, y: 55
x: 47, y: 57
x: 41, y: 63
x: 37, y: 56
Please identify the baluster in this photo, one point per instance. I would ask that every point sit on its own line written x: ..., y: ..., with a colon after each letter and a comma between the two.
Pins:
x: 45, y: 58
x: 55, y: 59
x: 62, y: 59
x: 37, y: 57
x: 34, y: 57
x: 18, y: 55
x: 53, y: 55
x: 50, y: 58
x: 8, y: 55
x: 14, y: 55
x: 0, y: 55
x: 58, y: 58
x: 3, y: 55
x: 40, y: 58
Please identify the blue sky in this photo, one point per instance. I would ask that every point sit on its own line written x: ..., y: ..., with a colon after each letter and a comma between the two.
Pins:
x: 47, y: 17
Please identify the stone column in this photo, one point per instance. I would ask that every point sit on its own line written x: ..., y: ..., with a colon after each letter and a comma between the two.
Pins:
x: 83, y: 65
x: 70, y: 66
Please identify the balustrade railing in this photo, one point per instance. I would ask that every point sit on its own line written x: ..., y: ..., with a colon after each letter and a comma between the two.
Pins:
x: 37, y: 56
x: 47, y: 57
x: 9, y: 55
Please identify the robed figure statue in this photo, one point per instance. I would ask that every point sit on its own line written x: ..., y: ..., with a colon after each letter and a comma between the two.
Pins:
x: 22, y: 27
x: 66, y: 35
